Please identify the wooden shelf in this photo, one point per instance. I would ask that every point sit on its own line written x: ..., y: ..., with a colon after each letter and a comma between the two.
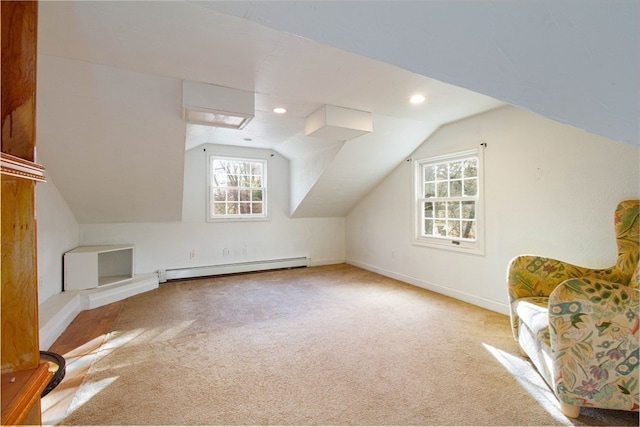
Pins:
x: 21, y: 392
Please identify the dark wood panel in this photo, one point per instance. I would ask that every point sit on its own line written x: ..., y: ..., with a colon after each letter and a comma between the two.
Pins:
x: 23, y: 378
x: 19, y: 48
x: 20, y: 347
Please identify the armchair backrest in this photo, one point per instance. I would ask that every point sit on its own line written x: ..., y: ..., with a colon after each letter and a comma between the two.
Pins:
x: 627, y: 228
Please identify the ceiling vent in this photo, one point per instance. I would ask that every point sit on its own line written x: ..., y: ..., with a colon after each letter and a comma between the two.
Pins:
x: 211, y: 105
x: 339, y: 123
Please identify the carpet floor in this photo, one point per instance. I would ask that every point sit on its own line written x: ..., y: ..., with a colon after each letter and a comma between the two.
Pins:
x: 332, y: 345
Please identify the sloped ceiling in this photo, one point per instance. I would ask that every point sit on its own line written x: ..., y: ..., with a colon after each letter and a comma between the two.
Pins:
x: 109, y: 123
x: 574, y: 62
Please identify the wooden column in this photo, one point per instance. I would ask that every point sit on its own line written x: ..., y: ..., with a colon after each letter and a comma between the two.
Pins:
x: 23, y: 376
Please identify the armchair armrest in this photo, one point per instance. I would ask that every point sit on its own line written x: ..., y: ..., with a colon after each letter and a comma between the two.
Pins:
x: 535, y: 276
x: 594, y: 338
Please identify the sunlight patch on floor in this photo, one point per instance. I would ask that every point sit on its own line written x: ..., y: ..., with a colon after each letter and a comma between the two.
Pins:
x: 530, y: 380
x: 87, y: 391
x: 118, y: 339
x: 73, y: 392
x: 162, y: 334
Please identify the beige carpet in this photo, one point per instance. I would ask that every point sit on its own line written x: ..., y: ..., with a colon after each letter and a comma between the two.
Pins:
x: 332, y: 345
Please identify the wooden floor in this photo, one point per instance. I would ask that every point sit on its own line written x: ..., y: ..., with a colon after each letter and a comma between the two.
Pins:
x: 79, y: 345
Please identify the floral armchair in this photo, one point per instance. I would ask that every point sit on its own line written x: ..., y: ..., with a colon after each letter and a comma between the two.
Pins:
x: 579, y: 326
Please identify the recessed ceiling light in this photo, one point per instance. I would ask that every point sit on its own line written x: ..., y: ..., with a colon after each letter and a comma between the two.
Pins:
x: 279, y: 110
x: 417, y: 99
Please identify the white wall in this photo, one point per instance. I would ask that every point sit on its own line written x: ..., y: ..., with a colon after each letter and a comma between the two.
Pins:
x: 121, y: 131
x: 306, y: 170
x: 550, y: 189
x: 168, y: 245
x: 58, y: 232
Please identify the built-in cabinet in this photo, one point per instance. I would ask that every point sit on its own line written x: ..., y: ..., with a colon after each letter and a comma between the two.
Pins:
x: 88, y: 267
x: 24, y: 377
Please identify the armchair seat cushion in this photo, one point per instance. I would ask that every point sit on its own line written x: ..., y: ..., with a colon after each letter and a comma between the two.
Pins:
x: 534, y: 313
x: 534, y: 337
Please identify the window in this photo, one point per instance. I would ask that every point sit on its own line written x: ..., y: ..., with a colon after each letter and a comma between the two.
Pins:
x: 448, y: 201
x: 237, y: 188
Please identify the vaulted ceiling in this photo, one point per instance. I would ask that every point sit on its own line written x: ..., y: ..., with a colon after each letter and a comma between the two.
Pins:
x: 110, y: 75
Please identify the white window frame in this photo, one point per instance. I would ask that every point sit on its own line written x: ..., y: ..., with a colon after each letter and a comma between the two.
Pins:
x: 210, y: 217
x: 473, y: 246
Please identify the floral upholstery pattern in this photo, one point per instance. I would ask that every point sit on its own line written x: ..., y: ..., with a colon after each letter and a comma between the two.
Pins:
x: 594, y: 340
x: 579, y: 326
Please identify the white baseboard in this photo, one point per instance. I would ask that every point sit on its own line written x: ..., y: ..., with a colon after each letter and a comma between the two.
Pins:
x: 57, y: 312
x: 240, y: 267
x: 94, y: 298
x: 326, y: 261
x: 453, y: 293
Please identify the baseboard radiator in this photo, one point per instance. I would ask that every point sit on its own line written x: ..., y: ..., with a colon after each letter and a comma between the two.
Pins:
x: 240, y: 267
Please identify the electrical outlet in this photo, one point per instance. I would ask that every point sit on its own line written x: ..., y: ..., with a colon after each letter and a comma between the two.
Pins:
x: 193, y: 254
x: 225, y: 252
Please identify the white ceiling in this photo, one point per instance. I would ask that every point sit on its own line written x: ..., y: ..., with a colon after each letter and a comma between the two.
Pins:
x: 109, y: 94
x: 122, y: 42
x: 188, y: 41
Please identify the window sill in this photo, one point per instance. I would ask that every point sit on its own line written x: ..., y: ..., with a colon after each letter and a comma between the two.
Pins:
x: 238, y: 219
x: 449, y: 245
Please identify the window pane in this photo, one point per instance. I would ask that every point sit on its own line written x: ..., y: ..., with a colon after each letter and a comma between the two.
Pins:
x: 470, y: 168
x: 245, y: 208
x: 428, y: 210
x: 232, y: 195
x: 429, y: 173
x: 257, y: 181
x: 453, y: 209
x: 219, y: 195
x: 440, y: 209
x: 455, y: 170
x: 471, y: 187
x: 469, y: 229
x: 217, y: 166
x: 257, y: 207
x: 256, y: 195
x: 232, y: 208
x: 245, y: 195
x: 219, y: 208
x: 469, y: 210
x: 455, y: 188
x: 454, y: 228
x: 219, y: 179
x: 428, y: 227
x: 441, y: 172
x: 440, y: 228
x: 443, y: 189
x: 256, y: 169
x: 429, y: 190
